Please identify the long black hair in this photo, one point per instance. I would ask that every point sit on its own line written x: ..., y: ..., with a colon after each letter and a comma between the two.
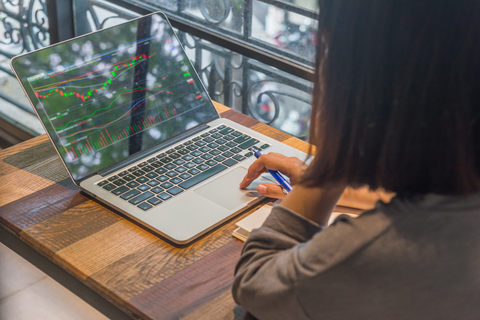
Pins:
x: 396, y: 98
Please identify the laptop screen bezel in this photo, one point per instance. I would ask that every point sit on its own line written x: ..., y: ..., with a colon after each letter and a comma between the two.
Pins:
x: 34, y: 101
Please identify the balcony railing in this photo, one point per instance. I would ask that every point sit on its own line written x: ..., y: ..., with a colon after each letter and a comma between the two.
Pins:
x: 254, y: 56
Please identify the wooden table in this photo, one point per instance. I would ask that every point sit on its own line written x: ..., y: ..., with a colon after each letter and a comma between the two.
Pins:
x: 138, y: 272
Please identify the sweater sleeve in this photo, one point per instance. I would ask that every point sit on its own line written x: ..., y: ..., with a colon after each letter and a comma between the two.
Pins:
x: 283, y: 256
x: 264, y: 275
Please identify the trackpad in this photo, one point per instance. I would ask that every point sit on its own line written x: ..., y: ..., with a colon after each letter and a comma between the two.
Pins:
x: 226, y: 192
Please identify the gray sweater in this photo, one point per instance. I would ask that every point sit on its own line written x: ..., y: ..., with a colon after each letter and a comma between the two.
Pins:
x: 409, y: 259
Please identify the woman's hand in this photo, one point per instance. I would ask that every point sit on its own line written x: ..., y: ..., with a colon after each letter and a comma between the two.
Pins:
x: 292, y: 167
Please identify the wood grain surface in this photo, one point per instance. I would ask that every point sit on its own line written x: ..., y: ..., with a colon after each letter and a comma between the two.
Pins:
x: 138, y: 271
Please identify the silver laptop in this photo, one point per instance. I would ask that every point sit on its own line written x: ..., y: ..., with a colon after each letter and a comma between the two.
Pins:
x: 136, y: 129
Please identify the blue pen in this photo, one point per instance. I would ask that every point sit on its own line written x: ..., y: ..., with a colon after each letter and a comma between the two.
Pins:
x: 277, y: 175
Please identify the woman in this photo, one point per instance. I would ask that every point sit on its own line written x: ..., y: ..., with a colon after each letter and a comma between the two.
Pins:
x: 396, y: 106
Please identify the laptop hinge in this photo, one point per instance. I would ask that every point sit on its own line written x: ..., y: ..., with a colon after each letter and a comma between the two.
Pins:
x: 142, y: 154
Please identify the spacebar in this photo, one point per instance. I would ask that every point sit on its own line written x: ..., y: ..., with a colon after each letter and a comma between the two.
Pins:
x: 202, y: 176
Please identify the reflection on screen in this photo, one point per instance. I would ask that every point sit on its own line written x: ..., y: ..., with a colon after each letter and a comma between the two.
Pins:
x: 114, y: 93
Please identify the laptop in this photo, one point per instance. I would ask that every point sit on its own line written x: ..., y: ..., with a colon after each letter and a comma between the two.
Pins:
x: 136, y: 129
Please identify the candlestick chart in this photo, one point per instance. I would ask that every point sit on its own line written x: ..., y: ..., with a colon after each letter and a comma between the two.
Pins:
x: 105, y: 102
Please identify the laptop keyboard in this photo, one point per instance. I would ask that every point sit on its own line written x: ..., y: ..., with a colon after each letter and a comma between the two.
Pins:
x: 168, y: 174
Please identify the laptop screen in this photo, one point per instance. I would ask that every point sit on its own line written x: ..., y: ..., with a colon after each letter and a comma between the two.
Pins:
x: 110, y: 94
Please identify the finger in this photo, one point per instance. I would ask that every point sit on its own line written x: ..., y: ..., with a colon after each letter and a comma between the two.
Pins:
x: 267, y: 161
x: 251, y: 175
x: 271, y: 191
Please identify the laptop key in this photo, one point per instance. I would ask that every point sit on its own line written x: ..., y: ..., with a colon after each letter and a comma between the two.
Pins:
x: 216, y: 135
x: 129, y: 177
x: 200, y: 143
x: 188, y: 142
x: 153, y: 183
x: 170, y: 166
x: 229, y: 162
x: 213, y: 130
x: 130, y: 194
x: 185, y: 176
x: 120, y: 190
x: 119, y: 182
x: 204, y: 149
x: 143, y: 187
x: 198, y: 160
x: 148, y: 168
x: 151, y: 175
x: 176, y: 180
x: 206, y: 156
x: 197, y: 138
x: 226, y: 130
x: 166, y: 185
x: 203, y: 167
x: 142, y: 197
x: 227, y: 154
x: 175, y: 155
x: 208, y: 139
x: 133, y: 169
x: 265, y: 146
x: 215, y: 152
x: 151, y: 160
x: 223, y: 148
x: 179, y: 147
x: 164, y: 196
x: 145, y: 206
x: 212, y: 145
x: 180, y: 169
x: 162, y: 178
x: 102, y: 183
x: 161, y: 170
x: 187, y: 157
x: 143, y: 164
x: 154, y: 201
x: 211, y: 163
x: 142, y: 179
x: 172, y: 174
x: 194, y: 171
x: 202, y: 176
x: 219, y: 158
x: 242, y: 139
x: 196, y: 153
x: 192, y: 147
x: 166, y: 160
x: 123, y: 173
x: 221, y: 127
x: 157, y: 190
x: 161, y: 155
x: 132, y: 184
x: 204, y: 135
x: 183, y: 151
x: 109, y: 187
x: 179, y: 162
x: 236, y: 150
x: 231, y: 144
x: 113, y: 178
x: 239, y: 157
x: 174, y: 190
x: 236, y: 133
x: 220, y: 141
x: 247, y: 144
x: 157, y: 164
x: 248, y: 154
x: 138, y: 173
x: 228, y: 137
x: 189, y: 165
x: 170, y: 151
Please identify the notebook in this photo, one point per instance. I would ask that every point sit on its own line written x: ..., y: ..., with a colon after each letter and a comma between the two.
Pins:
x: 136, y: 129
